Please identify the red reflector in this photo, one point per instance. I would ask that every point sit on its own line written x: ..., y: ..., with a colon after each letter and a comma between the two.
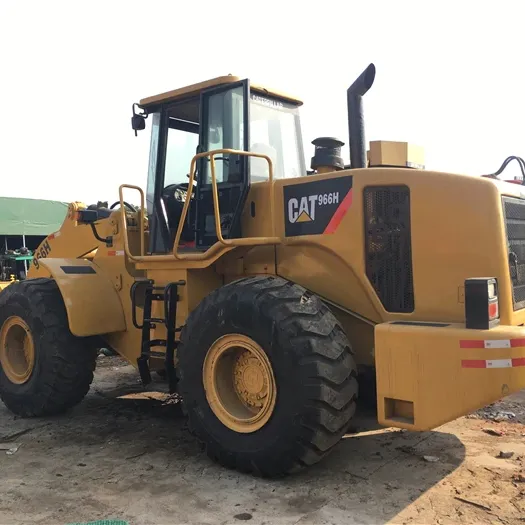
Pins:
x: 493, y: 310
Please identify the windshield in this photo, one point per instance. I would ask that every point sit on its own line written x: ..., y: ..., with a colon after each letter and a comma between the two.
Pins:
x: 275, y: 131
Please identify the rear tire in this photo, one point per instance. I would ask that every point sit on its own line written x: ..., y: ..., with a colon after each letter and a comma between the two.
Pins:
x: 312, y: 363
x: 63, y: 365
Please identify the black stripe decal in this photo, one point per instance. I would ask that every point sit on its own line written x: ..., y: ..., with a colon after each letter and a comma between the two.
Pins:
x: 420, y: 323
x: 77, y: 270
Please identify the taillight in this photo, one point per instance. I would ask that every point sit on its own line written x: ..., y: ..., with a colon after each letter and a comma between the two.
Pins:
x: 493, y: 311
x: 481, y: 303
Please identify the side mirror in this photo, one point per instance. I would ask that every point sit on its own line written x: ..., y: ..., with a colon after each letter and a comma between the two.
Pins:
x: 138, y: 120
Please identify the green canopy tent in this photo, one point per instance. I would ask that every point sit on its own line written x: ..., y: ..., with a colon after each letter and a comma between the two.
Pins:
x: 25, y: 222
x: 30, y: 216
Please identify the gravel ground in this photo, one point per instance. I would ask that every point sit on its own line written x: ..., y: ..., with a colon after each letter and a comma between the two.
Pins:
x: 133, y: 459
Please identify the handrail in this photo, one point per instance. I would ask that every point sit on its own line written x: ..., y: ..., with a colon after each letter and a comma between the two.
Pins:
x: 124, y: 221
x: 247, y: 241
x: 221, y: 243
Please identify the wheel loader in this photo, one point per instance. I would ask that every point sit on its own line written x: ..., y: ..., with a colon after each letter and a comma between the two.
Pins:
x: 271, y: 295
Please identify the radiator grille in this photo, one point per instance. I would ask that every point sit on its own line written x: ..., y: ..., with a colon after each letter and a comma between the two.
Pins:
x: 514, y: 211
x: 388, y: 246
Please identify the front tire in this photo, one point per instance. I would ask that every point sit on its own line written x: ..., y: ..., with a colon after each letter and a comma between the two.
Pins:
x: 306, y: 399
x: 44, y: 368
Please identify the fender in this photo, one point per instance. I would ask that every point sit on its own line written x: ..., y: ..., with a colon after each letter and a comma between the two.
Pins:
x: 92, y: 304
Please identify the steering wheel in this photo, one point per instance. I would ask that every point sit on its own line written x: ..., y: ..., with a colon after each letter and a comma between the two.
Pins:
x: 175, y: 191
x: 126, y: 205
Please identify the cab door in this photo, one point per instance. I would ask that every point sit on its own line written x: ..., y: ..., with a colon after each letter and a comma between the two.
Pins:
x: 224, y: 122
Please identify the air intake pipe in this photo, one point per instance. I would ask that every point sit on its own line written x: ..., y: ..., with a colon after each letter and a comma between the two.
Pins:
x: 356, y: 124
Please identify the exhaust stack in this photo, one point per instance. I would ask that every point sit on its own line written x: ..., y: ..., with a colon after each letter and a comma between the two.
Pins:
x: 356, y: 124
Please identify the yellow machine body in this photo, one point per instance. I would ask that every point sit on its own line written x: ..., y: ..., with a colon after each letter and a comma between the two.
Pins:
x: 315, y: 231
x: 79, y: 280
x: 5, y: 284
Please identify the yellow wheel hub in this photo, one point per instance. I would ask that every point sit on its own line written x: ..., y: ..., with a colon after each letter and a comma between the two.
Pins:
x: 17, y: 350
x: 239, y: 383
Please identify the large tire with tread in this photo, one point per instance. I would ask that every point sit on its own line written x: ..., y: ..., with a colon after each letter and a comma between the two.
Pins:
x: 63, y: 364
x: 311, y: 358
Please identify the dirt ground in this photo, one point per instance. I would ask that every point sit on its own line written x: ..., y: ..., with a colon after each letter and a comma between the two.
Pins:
x: 132, y: 459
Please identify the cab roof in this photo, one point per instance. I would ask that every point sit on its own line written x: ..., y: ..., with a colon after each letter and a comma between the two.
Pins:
x: 195, y: 89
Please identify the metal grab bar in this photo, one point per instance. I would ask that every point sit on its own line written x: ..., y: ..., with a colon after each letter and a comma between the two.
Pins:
x: 124, y: 223
x: 222, y: 243
x: 218, y: 230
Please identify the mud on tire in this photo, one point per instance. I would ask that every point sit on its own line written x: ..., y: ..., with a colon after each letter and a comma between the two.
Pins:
x: 64, y: 364
x: 314, y: 370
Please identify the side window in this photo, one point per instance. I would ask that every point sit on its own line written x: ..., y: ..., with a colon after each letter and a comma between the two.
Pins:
x: 181, y: 148
x: 224, y: 130
x: 275, y: 132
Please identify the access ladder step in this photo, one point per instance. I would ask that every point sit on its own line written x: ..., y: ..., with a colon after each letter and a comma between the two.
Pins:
x: 169, y: 296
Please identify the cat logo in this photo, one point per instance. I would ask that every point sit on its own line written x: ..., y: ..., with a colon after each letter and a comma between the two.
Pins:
x: 316, y: 207
x: 303, y: 209
x: 304, y: 217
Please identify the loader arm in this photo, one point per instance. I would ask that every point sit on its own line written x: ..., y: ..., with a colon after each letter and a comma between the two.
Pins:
x: 73, y: 239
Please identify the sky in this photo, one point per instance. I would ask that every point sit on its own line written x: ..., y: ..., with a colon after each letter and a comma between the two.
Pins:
x: 449, y: 78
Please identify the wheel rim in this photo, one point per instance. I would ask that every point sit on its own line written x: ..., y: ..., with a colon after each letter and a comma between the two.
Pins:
x: 17, y: 350
x: 239, y: 383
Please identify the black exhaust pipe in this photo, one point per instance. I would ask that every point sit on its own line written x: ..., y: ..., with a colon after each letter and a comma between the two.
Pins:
x: 356, y: 124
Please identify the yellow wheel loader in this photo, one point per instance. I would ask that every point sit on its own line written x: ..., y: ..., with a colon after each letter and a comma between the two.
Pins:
x: 267, y: 292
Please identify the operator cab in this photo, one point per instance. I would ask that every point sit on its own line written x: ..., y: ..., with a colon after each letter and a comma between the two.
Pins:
x: 223, y: 113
